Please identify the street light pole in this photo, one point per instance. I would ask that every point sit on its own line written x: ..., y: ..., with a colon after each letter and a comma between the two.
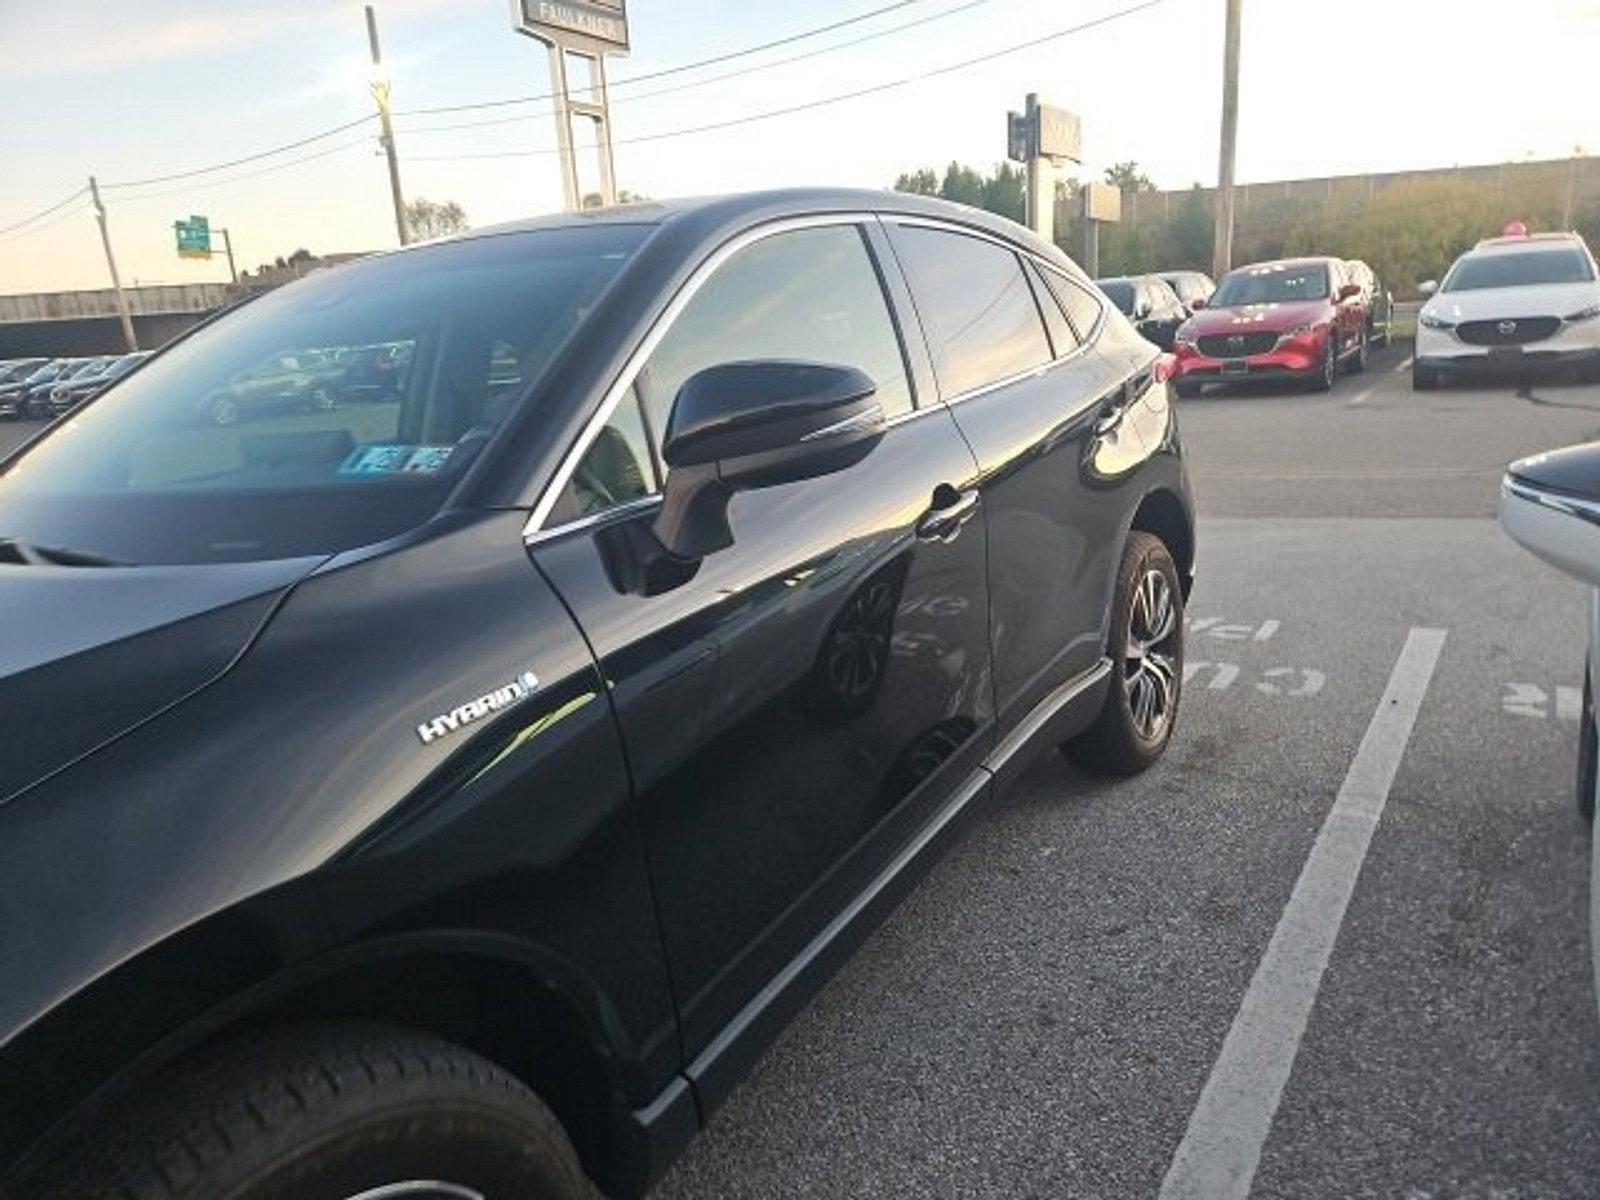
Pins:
x: 1222, y: 248
x: 380, y: 93
x: 111, y: 261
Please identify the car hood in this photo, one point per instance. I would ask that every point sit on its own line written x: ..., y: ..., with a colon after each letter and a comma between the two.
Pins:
x: 86, y: 653
x: 1545, y: 300
x: 1265, y: 317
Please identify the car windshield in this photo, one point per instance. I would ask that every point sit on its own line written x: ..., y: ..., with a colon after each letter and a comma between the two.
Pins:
x: 244, y: 442
x: 1523, y: 268
x: 1271, y: 285
x: 1119, y: 292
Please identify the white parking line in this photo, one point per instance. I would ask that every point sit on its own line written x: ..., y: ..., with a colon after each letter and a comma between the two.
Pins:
x: 1221, y: 1148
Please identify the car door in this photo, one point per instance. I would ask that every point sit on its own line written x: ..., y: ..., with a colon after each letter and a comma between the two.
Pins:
x: 1028, y: 407
x: 795, y: 704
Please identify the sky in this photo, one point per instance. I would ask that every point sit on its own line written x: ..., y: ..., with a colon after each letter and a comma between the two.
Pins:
x: 135, y: 91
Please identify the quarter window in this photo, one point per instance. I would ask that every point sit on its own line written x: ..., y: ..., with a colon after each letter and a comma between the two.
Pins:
x: 1062, y: 339
x: 1083, y: 309
x: 976, y: 306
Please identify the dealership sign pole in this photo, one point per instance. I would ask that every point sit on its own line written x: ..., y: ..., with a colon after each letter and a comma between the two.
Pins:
x: 584, y: 31
x: 1041, y: 137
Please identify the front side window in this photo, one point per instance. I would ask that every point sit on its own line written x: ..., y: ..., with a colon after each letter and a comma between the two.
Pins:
x: 1272, y: 285
x: 1524, y: 268
x: 808, y: 294
x: 976, y: 306
x: 332, y: 413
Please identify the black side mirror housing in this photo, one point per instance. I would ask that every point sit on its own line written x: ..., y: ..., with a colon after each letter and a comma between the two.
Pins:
x: 755, y: 424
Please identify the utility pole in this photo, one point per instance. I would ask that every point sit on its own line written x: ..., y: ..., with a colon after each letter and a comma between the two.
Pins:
x: 227, y: 244
x: 380, y: 93
x: 1222, y: 249
x: 111, y: 261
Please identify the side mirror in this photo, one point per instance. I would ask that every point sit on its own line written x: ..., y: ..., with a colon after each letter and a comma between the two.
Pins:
x: 1197, y: 304
x: 756, y: 424
x: 1428, y: 287
x: 1349, y: 291
x: 1550, y: 504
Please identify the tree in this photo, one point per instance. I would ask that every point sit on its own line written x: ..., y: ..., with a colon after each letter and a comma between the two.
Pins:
x: 301, y: 255
x: 1001, y: 192
x: 426, y: 219
x: 1128, y: 177
x: 918, y: 183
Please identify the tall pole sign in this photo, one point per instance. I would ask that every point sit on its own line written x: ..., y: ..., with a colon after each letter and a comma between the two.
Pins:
x: 1222, y: 247
x: 1042, y: 136
x: 581, y: 32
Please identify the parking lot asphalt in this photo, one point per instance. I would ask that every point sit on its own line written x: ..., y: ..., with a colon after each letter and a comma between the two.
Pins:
x: 1041, y: 1016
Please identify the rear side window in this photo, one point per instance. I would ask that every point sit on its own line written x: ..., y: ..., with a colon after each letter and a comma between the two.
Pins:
x: 1082, y: 307
x: 976, y: 307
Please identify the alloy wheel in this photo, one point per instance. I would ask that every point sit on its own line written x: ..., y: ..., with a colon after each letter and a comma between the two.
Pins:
x: 1150, y: 663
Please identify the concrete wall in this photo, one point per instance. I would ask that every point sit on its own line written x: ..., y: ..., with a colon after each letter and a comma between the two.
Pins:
x: 90, y: 335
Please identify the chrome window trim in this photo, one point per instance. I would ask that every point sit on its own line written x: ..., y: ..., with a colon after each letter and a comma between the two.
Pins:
x: 663, y: 324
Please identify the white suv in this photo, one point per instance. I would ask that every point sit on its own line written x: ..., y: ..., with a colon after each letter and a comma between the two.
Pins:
x: 1511, y: 302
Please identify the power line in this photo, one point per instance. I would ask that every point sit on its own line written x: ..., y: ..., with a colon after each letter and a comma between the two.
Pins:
x: 16, y: 234
x: 713, y: 79
x: 188, y: 189
x: 44, y: 212
x: 237, y: 162
x: 826, y: 101
x: 665, y: 71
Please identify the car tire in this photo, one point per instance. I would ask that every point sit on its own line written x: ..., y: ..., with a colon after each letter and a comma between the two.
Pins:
x: 1186, y: 389
x: 1328, y: 373
x: 1363, y: 352
x: 1146, y: 653
x: 1423, y: 379
x: 1588, y: 754
x: 325, y: 1111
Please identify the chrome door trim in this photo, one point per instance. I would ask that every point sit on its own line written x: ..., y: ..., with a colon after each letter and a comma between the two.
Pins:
x: 663, y: 323
x: 1022, y: 733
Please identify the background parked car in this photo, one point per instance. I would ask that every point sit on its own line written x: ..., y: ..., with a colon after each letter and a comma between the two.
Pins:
x: 1149, y: 302
x: 36, y: 400
x: 1511, y: 304
x: 1376, y: 298
x: 306, y: 379
x: 15, y: 368
x: 1550, y: 504
x: 15, y: 394
x: 67, y: 395
x: 1298, y: 318
x: 1193, y: 288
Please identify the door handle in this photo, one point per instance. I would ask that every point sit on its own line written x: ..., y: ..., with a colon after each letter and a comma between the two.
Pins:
x: 951, y: 510
x: 1108, y: 420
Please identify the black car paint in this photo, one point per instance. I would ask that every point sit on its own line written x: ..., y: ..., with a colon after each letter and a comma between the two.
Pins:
x: 642, y: 846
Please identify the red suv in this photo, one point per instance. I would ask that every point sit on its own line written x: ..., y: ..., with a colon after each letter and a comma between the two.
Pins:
x: 1300, y: 318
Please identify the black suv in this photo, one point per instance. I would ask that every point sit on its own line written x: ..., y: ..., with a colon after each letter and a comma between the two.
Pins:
x: 450, y: 795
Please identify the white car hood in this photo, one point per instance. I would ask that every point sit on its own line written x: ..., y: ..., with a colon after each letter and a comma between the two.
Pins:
x: 1537, y: 300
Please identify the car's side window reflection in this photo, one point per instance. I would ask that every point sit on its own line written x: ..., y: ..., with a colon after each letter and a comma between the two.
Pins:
x: 810, y: 294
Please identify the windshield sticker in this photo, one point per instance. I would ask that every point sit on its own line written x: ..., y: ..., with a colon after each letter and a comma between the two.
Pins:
x: 428, y: 460
x: 383, y: 459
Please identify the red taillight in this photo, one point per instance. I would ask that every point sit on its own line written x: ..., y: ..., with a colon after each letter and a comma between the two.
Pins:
x: 1166, y: 367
